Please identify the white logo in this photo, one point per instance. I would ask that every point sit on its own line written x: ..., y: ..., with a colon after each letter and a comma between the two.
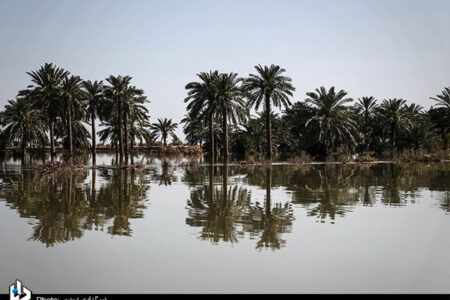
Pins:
x: 19, y: 292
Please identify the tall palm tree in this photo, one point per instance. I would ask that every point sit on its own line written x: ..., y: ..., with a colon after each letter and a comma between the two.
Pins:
x: 231, y: 104
x: 365, y: 106
x: 94, y: 96
x: 45, y: 92
x: 72, y: 97
x: 203, y: 102
x: 163, y: 128
x: 116, y: 93
x: 23, y: 123
x: 133, y: 107
x: 394, y: 118
x: 270, y: 87
x: 336, y: 127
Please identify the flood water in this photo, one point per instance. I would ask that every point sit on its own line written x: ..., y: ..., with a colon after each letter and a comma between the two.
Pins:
x: 177, y: 227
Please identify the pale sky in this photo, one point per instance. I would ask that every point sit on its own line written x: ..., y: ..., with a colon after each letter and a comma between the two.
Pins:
x: 385, y: 49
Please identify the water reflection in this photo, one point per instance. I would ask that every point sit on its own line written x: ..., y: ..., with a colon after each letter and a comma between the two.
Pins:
x: 225, y: 203
x: 62, y: 208
x: 226, y: 213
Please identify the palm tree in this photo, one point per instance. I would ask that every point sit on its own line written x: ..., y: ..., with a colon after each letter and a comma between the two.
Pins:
x: 23, y: 123
x: 442, y: 112
x: 133, y: 107
x: 333, y: 119
x: 46, y: 95
x: 443, y: 100
x: 194, y: 129
x: 94, y: 96
x: 163, y: 128
x: 269, y: 86
x: 231, y: 104
x: 203, y: 102
x: 366, y: 108
x: 394, y: 117
x: 116, y: 94
x: 72, y: 96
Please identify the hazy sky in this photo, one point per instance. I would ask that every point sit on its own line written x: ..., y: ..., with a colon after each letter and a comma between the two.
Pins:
x: 385, y: 49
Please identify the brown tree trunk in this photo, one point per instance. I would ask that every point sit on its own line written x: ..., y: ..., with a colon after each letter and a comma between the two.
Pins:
x: 94, y: 137
x: 268, y: 129
x: 132, y: 149
x: 211, y: 137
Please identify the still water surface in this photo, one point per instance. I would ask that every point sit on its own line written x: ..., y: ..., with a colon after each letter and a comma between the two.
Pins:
x: 382, y: 228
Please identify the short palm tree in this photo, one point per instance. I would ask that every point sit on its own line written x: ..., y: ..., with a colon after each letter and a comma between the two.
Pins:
x: 45, y: 93
x: 93, y: 97
x: 269, y: 87
x: 163, y: 128
x: 203, y: 102
x: 72, y: 98
x: 394, y: 118
x: 336, y: 127
x: 194, y: 129
x: 23, y: 123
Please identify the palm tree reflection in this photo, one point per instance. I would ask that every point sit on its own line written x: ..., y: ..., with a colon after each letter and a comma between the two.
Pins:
x: 226, y: 213
x: 62, y: 208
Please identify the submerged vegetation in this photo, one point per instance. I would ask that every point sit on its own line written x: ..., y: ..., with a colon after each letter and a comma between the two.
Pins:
x: 56, y: 109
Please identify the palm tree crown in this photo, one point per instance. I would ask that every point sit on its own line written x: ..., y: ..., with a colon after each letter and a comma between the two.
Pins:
x: 271, y: 87
x: 163, y: 128
x: 336, y: 127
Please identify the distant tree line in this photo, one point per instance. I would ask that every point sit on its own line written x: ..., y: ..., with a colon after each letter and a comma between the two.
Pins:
x: 56, y: 107
x: 326, y: 123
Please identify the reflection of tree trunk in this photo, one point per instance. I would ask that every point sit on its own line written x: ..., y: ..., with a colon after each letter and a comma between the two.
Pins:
x: 268, y: 191
x: 225, y: 186
x: 211, y: 182
x: 93, y: 194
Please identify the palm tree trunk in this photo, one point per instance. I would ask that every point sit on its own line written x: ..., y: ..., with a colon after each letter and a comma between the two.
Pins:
x: 225, y: 136
x: 211, y: 136
x: 120, y: 132
x: 94, y: 137
x: 132, y: 149
x: 268, y: 129
x: 52, y: 140
x: 125, y: 125
x: 70, y: 136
